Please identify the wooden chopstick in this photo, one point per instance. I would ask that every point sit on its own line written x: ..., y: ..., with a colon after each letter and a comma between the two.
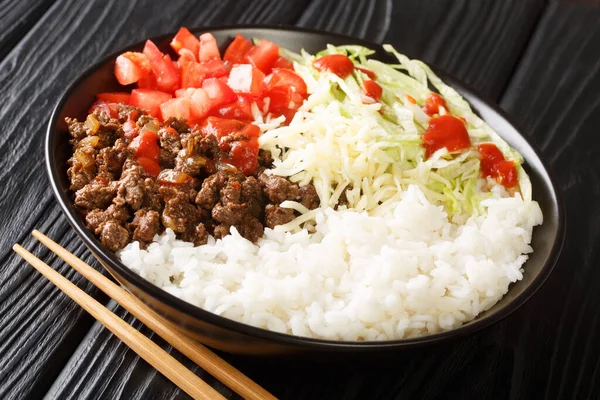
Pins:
x: 146, y: 348
x: 201, y: 355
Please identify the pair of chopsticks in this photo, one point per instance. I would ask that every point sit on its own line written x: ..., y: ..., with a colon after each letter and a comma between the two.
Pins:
x: 143, y: 346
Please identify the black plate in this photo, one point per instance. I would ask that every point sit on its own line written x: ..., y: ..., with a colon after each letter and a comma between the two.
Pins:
x: 236, y: 337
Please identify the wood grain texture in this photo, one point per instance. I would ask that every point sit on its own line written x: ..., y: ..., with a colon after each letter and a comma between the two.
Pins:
x: 18, y: 17
x: 554, y: 97
x: 536, y: 353
x: 480, y: 42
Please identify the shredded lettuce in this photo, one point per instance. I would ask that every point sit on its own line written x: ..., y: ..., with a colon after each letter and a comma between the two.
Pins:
x: 370, y: 152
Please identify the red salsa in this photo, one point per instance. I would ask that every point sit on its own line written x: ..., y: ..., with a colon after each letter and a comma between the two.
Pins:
x: 433, y: 103
x: 338, y: 64
x: 445, y: 131
x: 494, y: 165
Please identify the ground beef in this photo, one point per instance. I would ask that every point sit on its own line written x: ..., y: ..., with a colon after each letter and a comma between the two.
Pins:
x: 190, y: 163
x: 309, y: 197
x: 170, y: 145
x: 79, y: 176
x: 179, y: 214
x: 109, y: 162
x: 277, y: 188
x: 252, y: 196
x: 146, y: 224
x: 76, y: 128
x: 275, y: 215
x: 114, y: 236
x: 96, y: 194
x: 265, y: 158
x: 131, y: 185
x: 197, y: 194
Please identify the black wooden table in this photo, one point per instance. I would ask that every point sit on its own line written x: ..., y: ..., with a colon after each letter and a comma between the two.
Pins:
x: 540, y: 60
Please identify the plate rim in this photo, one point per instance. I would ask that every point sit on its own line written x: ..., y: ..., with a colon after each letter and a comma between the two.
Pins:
x: 196, y: 312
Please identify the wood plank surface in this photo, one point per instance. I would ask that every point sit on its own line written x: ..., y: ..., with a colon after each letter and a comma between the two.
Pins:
x: 44, y: 338
x: 554, y: 97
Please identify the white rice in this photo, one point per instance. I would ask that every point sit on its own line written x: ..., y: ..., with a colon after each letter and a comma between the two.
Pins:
x: 358, y: 277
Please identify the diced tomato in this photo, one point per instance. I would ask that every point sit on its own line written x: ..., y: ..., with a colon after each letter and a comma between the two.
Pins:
x: 214, y: 68
x: 167, y: 74
x: 221, y: 127
x: 149, y: 100
x: 283, y: 98
x: 367, y: 72
x: 433, y: 103
x: 237, y: 50
x: 148, y: 82
x: 263, y: 56
x: 184, y: 39
x: 283, y: 62
x: 130, y: 129
x: 287, y: 113
x: 114, y: 97
x: 131, y: 66
x: 208, y: 48
x: 176, y: 108
x: 150, y: 166
x: 185, y: 56
x: 218, y: 92
x: 245, y: 78
x: 372, y: 89
x: 192, y: 74
x: 110, y: 109
x: 240, y: 110
x: 338, y: 64
x: 200, y: 105
x: 145, y: 144
x: 493, y: 164
x: 239, y: 138
x: 281, y: 77
x: 445, y: 131
x: 185, y: 92
x: 244, y: 155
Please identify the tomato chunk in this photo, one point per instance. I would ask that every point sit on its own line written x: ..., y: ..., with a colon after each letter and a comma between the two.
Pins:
x: 281, y: 77
x: 214, y: 68
x: 149, y: 100
x: 145, y: 144
x: 433, y: 103
x: 150, y: 166
x: 208, y: 48
x: 372, y: 89
x: 493, y: 164
x: 176, y: 108
x: 241, y: 110
x: 114, y: 97
x: 338, y: 64
x: 244, y: 155
x: 192, y: 74
x: 445, y: 131
x: 245, y: 78
x: 263, y: 56
x: 185, y: 56
x: 200, y: 105
x: 167, y: 74
x: 237, y: 50
x: 184, y: 39
x: 131, y: 66
x: 283, y: 62
x: 218, y: 92
x: 236, y: 137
